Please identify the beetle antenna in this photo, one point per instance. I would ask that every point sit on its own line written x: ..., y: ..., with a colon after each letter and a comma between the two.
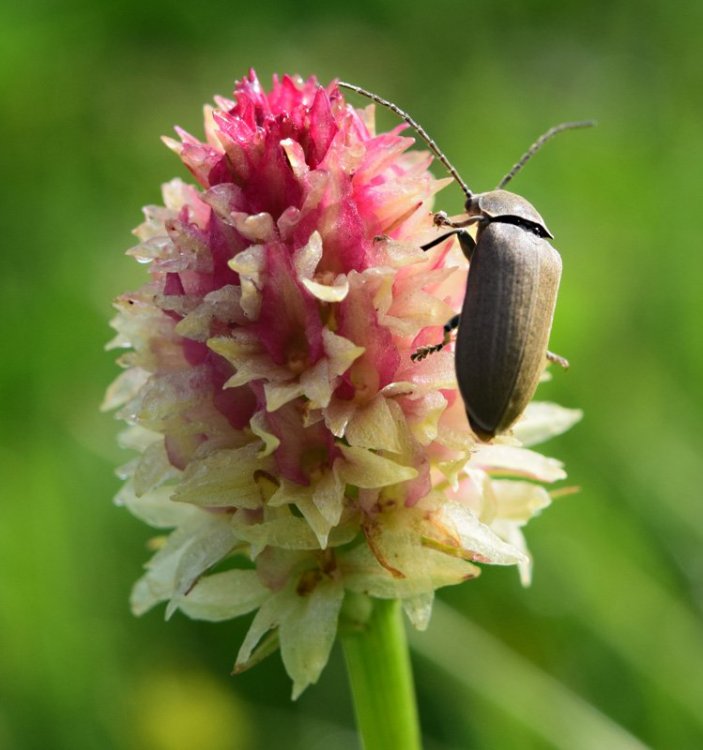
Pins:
x: 537, y: 145
x: 416, y: 126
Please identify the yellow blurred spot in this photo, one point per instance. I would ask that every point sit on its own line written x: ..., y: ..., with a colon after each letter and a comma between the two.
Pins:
x: 188, y: 709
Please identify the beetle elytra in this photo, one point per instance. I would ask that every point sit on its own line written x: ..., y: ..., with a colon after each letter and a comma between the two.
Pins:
x: 514, y: 273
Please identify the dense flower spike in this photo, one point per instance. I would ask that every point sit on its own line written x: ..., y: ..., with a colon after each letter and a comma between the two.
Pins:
x: 284, y: 432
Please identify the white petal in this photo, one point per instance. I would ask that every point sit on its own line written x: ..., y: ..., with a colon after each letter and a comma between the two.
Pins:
x: 519, y: 501
x: 328, y: 496
x: 542, y: 420
x: 255, y: 227
x: 363, y: 468
x: 249, y: 264
x: 124, y: 387
x: 283, y: 530
x: 223, y: 479
x: 337, y: 416
x: 419, y: 609
x: 223, y: 304
x: 316, y: 384
x: 153, y: 468
x: 296, y: 157
x: 290, y: 493
x: 278, y: 394
x: 308, y: 631
x: 424, y: 570
x: 155, y: 507
x: 269, y: 616
x: 259, y: 427
x: 317, y: 522
x: 158, y: 583
x: 306, y: 258
x: 477, y: 538
x: 512, y: 534
x: 341, y: 352
x: 203, y: 551
x: 328, y: 293
x: 513, y: 461
x: 223, y: 596
x: 373, y: 426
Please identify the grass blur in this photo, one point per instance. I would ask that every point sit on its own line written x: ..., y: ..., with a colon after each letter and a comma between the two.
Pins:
x: 614, y: 614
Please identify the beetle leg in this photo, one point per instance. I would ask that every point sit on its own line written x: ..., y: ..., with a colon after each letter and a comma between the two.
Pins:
x: 442, y: 220
x: 561, y: 361
x: 425, y: 351
x: 465, y: 240
x: 437, y: 240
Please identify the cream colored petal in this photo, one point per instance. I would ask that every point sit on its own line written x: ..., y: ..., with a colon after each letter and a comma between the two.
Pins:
x: 476, y: 538
x: 277, y: 394
x: 249, y: 264
x: 452, y: 469
x: 153, y: 468
x: 258, y: 228
x: 318, y: 523
x: 288, y: 493
x: 542, y: 420
x: 124, y: 387
x: 177, y: 193
x: 341, y: 352
x: 225, y: 595
x: 269, y: 616
x: 224, y: 479
x: 239, y: 345
x: 296, y: 157
x: 399, y: 388
x: 426, y: 570
x: 306, y: 258
x: 373, y: 426
x: 308, y: 631
x: 244, y: 354
x: 400, y: 254
x: 513, y: 461
x: 156, y: 507
x: 338, y: 414
x: 519, y: 501
x: 258, y: 368
x: 200, y: 555
x: 513, y: 535
x: 362, y: 468
x: 158, y: 583
x: 259, y: 427
x: 138, y: 438
x: 424, y: 422
x: 283, y: 530
x: 328, y: 496
x: 316, y: 385
x: 223, y: 304
x: 335, y: 292
x: 419, y: 609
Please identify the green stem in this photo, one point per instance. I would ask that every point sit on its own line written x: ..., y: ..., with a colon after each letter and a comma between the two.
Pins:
x: 378, y: 664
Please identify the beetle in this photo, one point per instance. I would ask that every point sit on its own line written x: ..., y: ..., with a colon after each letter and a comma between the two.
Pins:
x: 514, y: 273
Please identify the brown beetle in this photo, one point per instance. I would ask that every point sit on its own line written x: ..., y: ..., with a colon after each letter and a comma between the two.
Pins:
x: 511, y: 293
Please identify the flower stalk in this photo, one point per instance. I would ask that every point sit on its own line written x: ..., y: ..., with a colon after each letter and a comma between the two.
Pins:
x: 380, y: 676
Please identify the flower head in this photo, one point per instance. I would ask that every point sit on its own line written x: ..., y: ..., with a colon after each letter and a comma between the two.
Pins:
x: 285, y: 434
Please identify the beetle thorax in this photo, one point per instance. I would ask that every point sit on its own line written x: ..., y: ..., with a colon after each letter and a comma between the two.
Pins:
x: 498, y: 203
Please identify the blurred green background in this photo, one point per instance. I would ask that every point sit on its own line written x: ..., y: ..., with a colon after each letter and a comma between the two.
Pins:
x: 614, y: 614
